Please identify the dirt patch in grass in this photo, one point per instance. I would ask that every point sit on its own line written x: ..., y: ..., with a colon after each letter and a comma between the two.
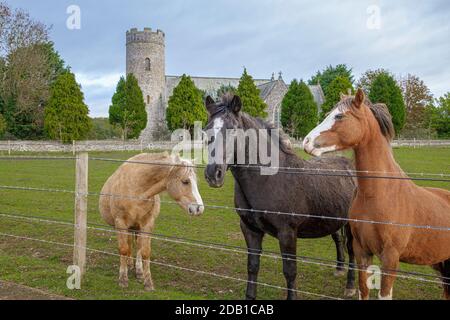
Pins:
x: 14, y: 291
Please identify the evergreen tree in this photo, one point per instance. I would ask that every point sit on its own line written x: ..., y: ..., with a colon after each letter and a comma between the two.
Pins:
x: 249, y: 94
x: 225, y: 89
x: 340, y: 85
x: 298, y: 110
x: 128, y: 107
x: 384, y: 89
x: 185, y: 106
x: 66, y: 114
x: 325, y: 77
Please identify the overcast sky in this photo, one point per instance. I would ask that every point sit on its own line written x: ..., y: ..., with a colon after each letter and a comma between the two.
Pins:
x: 217, y: 38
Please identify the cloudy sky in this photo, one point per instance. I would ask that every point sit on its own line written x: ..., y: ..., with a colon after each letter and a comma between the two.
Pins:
x: 218, y: 38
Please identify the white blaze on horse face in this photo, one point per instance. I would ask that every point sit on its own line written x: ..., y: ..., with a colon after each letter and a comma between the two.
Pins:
x: 198, y: 199
x: 327, y: 124
x: 217, y: 126
x: 216, y: 146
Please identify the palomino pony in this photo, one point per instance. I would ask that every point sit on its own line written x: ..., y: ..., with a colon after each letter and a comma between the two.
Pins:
x: 287, y: 192
x: 367, y: 129
x: 130, y: 202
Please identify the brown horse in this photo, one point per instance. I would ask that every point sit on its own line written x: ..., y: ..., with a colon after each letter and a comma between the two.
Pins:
x: 130, y: 202
x: 367, y: 129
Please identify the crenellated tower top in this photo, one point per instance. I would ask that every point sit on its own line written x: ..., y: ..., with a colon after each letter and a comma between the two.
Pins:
x: 146, y: 36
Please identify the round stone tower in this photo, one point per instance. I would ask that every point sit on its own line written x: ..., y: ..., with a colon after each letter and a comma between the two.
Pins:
x: 146, y: 61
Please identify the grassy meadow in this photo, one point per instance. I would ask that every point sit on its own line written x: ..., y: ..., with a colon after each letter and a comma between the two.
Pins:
x: 43, y: 265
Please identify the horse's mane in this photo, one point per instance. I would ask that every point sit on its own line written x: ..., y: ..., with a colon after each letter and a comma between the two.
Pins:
x: 379, y: 111
x: 258, y: 123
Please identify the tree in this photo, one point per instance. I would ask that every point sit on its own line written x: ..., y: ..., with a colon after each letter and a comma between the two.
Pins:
x: 385, y: 90
x: 18, y: 30
x: 367, y: 78
x: 298, y: 110
x: 66, y: 114
x: 325, y: 77
x: 225, y: 89
x: 340, y: 85
x: 416, y: 96
x: 249, y: 94
x: 185, y: 106
x: 25, y: 87
x: 128, y: 107
x: 101, y: 130
x: 437, y: 117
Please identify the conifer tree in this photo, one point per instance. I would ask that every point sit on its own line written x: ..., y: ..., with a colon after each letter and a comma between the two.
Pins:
x: 249, y: 94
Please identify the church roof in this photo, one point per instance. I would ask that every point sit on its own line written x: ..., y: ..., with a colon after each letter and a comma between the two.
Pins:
x: 207, y: 84
x: 266, y: 86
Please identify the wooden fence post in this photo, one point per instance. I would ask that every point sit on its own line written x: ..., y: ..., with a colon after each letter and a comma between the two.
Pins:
x: 81, y: 190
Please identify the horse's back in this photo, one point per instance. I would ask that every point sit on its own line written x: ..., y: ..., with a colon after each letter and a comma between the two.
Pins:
x: 441, y: 193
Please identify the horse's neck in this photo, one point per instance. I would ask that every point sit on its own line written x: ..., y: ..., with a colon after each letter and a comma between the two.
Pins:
x: 375, y: 156
x: 153, y: 178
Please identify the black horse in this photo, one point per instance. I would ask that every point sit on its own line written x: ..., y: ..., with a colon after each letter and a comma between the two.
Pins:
x: 288, y: 191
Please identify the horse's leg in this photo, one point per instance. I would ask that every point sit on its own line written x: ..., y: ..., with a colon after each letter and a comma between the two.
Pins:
x: 446, y: 278
x: 124, y: 251
x: 338, y: 241
x: 254, y: 248
x: 130, y: 245
x: 389, y: 262
x: 288, y: 247
x: 364, y: 260
x: 139, y: 267
x: 350, y: 290
x: 144, y: 245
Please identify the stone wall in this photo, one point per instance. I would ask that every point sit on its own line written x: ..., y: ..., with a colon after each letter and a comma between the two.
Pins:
x: 134, y: 145
x: 93, y: 145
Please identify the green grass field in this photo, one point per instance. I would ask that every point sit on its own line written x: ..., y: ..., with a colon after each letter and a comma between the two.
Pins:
x: 43, y: 265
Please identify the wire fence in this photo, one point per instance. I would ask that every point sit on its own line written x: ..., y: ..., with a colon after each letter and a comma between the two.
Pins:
x: 417, y: 276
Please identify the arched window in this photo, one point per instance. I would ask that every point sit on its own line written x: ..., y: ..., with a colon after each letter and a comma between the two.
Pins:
x: 148, y: 99
x: 147, y: 64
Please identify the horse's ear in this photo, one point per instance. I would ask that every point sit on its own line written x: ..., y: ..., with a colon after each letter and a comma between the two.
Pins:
x: 209, y: 102
x: 359, y: 98
x: 236, y: 104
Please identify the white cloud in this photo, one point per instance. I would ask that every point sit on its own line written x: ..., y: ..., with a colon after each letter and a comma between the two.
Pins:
x: 98, y: 90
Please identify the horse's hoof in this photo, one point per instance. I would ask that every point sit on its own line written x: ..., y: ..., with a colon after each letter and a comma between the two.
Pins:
x: 339, y: 273
x: 123, y: 283
x: 348, y: 293
x: 149, y: 287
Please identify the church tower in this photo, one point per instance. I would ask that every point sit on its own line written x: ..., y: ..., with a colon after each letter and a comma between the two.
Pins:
x: 145, y: 59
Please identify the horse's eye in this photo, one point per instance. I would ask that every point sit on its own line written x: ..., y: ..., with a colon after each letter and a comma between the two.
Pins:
x: 185, y: 182
x: 339, y: 116
x: 211, y: 140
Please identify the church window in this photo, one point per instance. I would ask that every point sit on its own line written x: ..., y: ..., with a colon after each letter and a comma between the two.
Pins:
x: 148, y: 99
x: 147, y: 64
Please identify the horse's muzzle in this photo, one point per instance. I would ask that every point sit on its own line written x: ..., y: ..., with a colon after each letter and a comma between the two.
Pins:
x: 196, y: 209
x: 215, y: 175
